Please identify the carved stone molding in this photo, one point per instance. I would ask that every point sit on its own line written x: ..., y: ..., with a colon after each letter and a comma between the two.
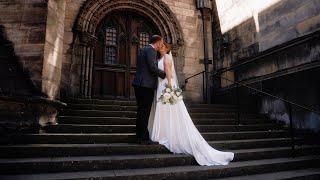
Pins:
x: 87, y: 39
x: 93, y: 11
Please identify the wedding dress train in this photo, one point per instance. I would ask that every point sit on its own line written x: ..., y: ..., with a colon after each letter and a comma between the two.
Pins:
x: 171, y: 126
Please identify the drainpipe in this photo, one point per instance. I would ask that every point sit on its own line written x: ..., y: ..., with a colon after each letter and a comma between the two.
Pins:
x: 205, y: 7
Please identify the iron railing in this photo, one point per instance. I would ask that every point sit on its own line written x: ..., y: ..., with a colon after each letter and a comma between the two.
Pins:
x: 289, y: 104
x: 204, y: 84
x: 258, y: 91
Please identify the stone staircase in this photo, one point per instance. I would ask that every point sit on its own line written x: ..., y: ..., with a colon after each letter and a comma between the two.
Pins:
x: 95, y: 139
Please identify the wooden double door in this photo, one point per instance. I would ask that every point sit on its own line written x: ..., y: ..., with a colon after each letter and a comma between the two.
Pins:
x: 120, y: 37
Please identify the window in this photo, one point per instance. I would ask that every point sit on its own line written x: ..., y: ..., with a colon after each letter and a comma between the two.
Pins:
x: 111, y: 45
x: 143, y: 39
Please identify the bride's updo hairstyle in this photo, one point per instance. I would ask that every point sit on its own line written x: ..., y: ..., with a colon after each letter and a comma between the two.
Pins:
x: 155, y: 39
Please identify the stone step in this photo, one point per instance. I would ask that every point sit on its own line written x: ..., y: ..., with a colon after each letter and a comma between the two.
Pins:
x: 132, y: 114
x: 101, y: 107
x: 312, y: 173
x: 134, y: 108
x: 215, y: 109
x: 218, y: 136
x: 133, y: 103
x: 253, y: 143
x: 98, y: 113
x: 100, y: 102
x: 188, y: 172
x: 96, y: 120
x: 94, y: 163
x: 222, y: 121
x: 76, y: 128
x: 235, y: 128
x: 77, y: 138
x: 197, y: 105
x: 132, y: 121
x: 130, y: 137
x: 65, y: 150
x: 15, y: 114
x: 87, y: 128
x: 223, y: 115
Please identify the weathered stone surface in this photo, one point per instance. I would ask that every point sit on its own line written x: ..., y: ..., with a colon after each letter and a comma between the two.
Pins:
x: 266, y: 24
x: 24, y: 23
x: 53, y: 52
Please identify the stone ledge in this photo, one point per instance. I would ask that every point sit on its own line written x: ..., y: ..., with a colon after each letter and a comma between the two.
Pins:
x: 22, y: 114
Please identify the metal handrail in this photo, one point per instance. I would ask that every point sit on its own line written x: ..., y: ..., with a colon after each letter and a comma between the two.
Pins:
x: 271, y: 95
x: 203, y: 83
x: 257, y: 90
x: 289, y: 103
x: 186, y: 80
x: 240, y: 84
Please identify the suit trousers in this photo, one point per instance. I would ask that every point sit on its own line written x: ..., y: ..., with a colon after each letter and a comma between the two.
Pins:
x: 144, y: 98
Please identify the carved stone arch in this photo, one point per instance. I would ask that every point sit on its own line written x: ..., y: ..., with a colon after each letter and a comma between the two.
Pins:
x: 93, y: 12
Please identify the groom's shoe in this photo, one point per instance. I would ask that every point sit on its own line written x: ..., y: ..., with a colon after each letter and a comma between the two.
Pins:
x: 143, y: 142
x: 153, y: 143
x: 149, y: 142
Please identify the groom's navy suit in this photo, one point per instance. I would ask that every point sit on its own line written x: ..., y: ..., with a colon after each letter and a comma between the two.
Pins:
x: 145, y: 82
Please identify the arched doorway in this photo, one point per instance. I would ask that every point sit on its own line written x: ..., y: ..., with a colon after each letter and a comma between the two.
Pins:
x: 108, y: 35
x: 120, y: 36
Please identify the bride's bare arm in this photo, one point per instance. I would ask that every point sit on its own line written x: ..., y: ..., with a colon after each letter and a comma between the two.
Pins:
x: 167, y: 68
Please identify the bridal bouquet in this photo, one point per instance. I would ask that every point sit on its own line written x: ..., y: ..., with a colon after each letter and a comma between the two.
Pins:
x: 171, y: 95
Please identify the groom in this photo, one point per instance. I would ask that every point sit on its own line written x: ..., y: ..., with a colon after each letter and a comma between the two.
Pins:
x: 145, y: 83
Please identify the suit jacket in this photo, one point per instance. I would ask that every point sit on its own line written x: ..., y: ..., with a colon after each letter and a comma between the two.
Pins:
x: 147, y: 68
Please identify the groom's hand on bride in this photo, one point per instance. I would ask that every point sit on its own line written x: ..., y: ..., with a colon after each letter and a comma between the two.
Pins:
x: 163, y: 75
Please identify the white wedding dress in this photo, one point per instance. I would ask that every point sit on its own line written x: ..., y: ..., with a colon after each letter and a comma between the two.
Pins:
x: 171, y: 126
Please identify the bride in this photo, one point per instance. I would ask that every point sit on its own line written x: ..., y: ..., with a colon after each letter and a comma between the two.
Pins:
x: 171, y: 125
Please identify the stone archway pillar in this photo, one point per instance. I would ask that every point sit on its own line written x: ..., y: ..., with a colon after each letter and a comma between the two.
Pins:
x: 85, y: 48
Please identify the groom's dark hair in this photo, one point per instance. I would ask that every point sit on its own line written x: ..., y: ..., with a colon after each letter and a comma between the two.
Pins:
x: 155, y: 38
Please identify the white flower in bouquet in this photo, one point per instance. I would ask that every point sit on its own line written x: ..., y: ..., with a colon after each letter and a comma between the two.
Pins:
x: 166, y: 96
x: 168, y: 90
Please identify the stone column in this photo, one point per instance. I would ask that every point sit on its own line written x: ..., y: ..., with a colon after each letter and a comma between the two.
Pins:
x: 87, y: 45
x: 207, y: 48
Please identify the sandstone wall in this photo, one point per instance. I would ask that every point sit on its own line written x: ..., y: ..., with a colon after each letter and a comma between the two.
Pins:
x: 25, y: 25
x: 287, y: 20
x: 53, y: 52
x: 255, y: 26
x: 70, y: 81
x: 191, y: 23
x: 35, y: 28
